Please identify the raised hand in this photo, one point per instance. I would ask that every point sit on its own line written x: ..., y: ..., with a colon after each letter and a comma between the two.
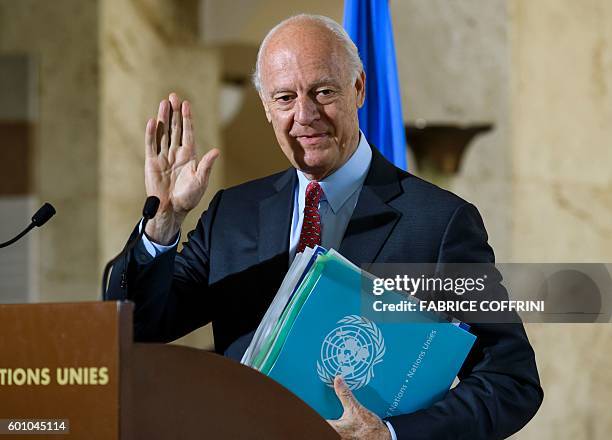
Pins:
x: 172, y: 170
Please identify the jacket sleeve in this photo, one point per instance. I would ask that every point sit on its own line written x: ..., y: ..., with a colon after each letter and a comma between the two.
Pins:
x: 171, y: 291
x: 499, y: 389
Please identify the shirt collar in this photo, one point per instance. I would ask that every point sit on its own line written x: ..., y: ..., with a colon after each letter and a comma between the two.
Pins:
x: 342, y: 183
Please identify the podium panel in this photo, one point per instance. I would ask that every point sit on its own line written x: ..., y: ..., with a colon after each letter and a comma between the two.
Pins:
x: 76, y: 364
x: 61, y: 362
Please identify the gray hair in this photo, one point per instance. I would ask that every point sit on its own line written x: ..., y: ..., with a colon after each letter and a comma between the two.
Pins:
x: 355, y: 65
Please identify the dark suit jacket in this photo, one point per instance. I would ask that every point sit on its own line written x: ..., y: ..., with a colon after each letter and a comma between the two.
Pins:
x: 234, y: 261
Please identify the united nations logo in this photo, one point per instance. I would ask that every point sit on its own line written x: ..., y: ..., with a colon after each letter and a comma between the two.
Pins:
x: 351, y: 350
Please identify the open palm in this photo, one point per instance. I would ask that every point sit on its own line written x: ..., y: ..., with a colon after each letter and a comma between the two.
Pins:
x: 172, y: 170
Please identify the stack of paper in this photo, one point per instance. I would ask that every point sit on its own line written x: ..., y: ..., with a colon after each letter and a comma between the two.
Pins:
x: 316, y: 328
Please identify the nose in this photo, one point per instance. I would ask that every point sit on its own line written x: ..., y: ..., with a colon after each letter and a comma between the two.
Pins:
x: 306, y: 110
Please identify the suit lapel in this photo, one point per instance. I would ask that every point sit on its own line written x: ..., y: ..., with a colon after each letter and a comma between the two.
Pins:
x: 370, y: 225
x: 373, y: 219
x: 275, y: 218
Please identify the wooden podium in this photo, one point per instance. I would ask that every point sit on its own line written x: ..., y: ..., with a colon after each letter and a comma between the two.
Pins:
x: 77, y: 362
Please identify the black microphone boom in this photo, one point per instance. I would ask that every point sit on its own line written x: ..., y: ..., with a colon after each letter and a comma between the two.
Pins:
x: 148, y: 212
x: 41, y: 217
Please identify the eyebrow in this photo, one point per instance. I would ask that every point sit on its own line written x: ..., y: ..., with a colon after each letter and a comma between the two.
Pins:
x: 322, y: 82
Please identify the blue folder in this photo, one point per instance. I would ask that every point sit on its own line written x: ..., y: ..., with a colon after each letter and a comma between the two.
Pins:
x: 392, y: 367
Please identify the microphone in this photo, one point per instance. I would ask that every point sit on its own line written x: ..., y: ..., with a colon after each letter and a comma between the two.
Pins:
x: 42, y: 216
x: 150, y: 208
x: 148, y: 212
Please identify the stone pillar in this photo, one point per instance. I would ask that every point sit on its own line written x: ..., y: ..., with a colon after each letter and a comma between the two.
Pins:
x: 562, y: 199
x: 561, y: 113
x: 146, y: 54
x: 60, y: 37
x: 453, y: 67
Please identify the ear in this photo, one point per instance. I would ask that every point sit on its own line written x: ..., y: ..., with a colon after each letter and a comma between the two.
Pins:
x: 360, y: 88
x: 265, y: 106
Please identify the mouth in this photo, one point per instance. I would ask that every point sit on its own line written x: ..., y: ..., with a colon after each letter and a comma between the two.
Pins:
x: 312, y: 139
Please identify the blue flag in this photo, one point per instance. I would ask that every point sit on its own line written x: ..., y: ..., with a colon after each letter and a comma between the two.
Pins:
x: 369, y: 25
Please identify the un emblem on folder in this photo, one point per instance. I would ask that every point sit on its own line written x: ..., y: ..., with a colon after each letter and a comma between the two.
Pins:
x: 351, y: 350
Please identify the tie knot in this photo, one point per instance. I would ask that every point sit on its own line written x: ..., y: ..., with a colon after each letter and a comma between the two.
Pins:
x: 313, y: 194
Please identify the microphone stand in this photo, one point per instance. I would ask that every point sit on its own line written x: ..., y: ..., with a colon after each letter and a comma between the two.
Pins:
x: 148, y: 212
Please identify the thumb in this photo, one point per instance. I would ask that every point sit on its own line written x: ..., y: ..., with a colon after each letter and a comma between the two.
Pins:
x: 205, y: 166
x: 345, y: 395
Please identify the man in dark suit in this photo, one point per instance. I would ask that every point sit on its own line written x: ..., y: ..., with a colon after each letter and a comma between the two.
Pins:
x: 340, y: 193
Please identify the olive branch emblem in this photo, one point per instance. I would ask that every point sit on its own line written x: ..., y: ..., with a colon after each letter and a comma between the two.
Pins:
x: 364, y: 355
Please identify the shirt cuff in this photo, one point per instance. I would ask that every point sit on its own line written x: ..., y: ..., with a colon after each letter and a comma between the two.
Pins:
x: 391, y: 430
x: 155, y: 249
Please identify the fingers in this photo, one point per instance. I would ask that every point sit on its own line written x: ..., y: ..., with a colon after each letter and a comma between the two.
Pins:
x: 188, y: 137
x: 162, y: 135
x: 356, y: 420
x: 348, y: 401
x: 175, y: 122
x: 150, y: 143
x: 205, y: 166
x: 174, y: 129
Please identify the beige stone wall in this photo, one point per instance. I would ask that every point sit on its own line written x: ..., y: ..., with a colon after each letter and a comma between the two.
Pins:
x: 61, y: 38
x: 562, y: 136
x: 248, y: 21
x: 145, y: 55
x: 562, y: 179
x: 453, y: 61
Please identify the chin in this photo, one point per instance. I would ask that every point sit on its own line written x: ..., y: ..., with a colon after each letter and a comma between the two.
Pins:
x: 318, y: 160
x: 317, y: 170
x: 314, y: 160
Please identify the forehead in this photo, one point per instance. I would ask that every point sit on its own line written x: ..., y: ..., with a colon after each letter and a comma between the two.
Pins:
x: 302, y: 64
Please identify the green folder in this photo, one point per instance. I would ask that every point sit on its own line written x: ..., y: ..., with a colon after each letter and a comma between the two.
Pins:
x: 265, y: 359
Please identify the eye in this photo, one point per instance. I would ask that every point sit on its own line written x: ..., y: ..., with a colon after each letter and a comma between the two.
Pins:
x: 325, y: 96
x: 283, y: 98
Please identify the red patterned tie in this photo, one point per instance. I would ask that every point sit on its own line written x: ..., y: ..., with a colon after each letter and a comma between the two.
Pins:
x: 311, y: 227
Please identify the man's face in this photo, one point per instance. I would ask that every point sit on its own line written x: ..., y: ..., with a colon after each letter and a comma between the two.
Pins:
x: 311, y: 100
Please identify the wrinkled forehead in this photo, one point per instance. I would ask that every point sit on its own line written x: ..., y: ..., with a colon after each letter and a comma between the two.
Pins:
x: 302, y: 62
